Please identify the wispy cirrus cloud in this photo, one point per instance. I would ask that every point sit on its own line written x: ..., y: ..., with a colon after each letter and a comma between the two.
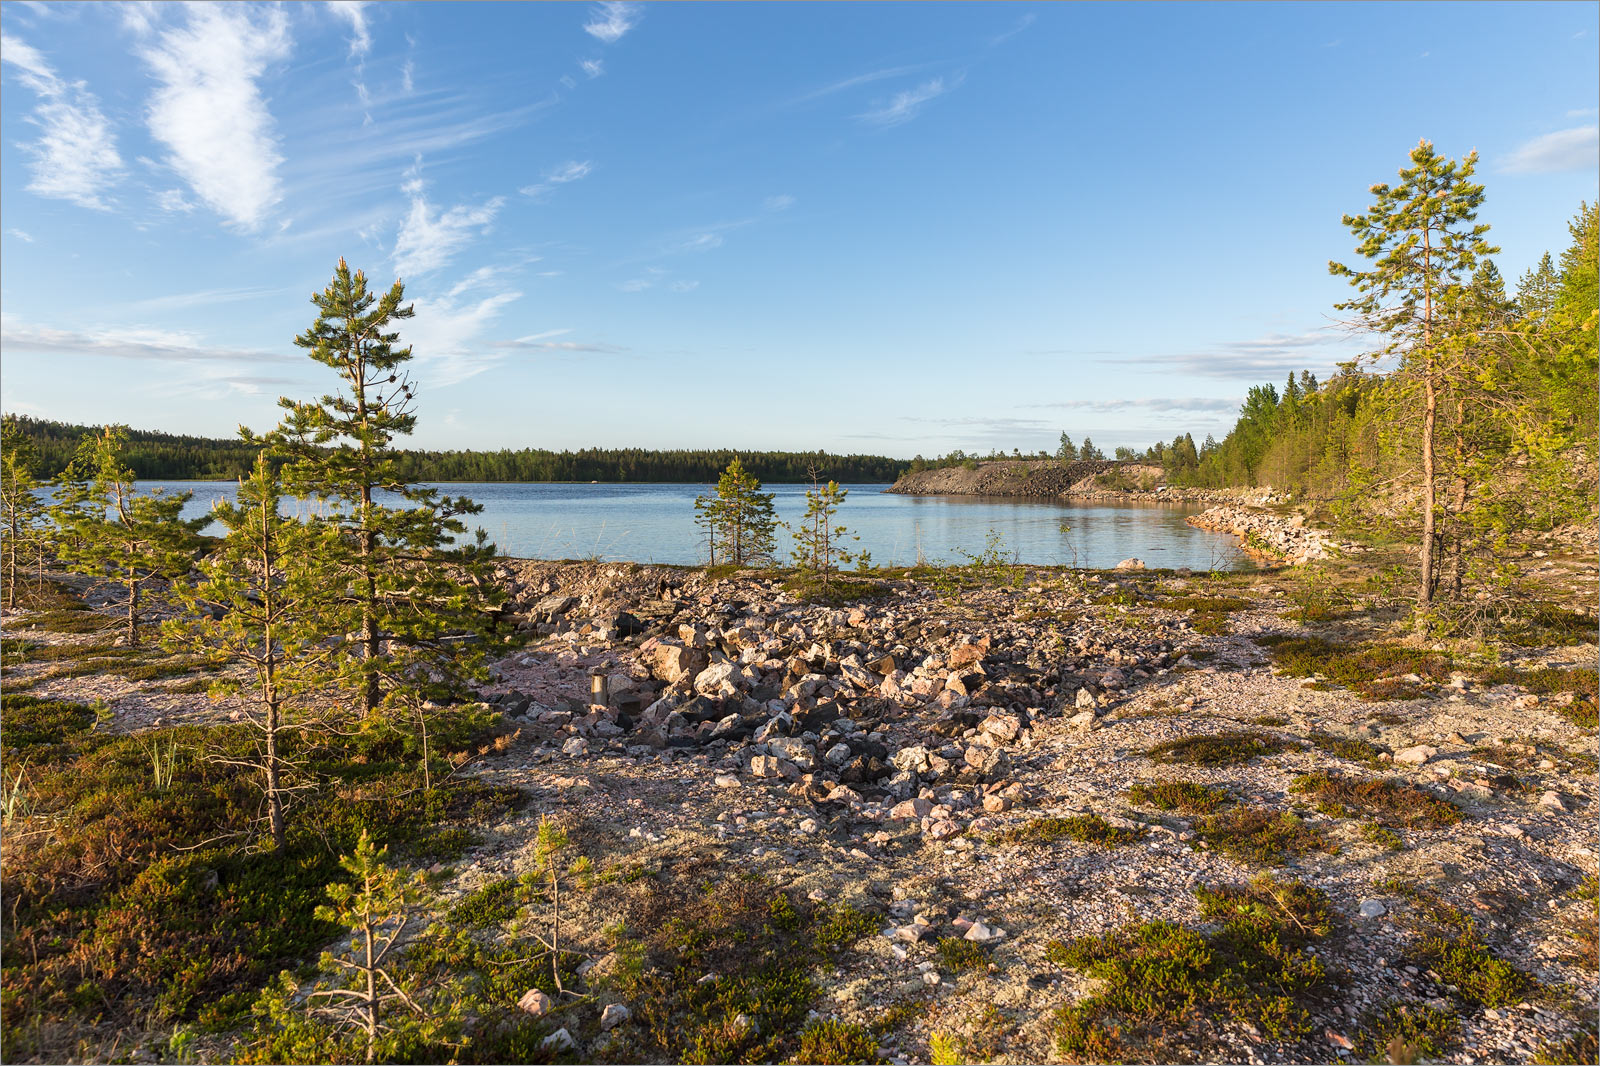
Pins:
x: 851, y: 82
x: 354, y: 14
x: 548, y: 341
x: 781, y: 202
x: 1146, y: 403
x: 430, y: 238
x: 612, y: 20
x: 562, y: 175
x: 593, y: 67
x: 905, y: 105
x: 445, y: 335
x: 75, y: 157
x: 133, y: 342
x: 1563, y: 150
x: 1269, y: 356
x: 209, y: 110
x: 1021, y: 24
x: 21, y: 235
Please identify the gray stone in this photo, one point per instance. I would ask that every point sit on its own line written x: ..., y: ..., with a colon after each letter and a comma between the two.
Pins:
x: 1373, y: 908
x: 1415, y: 756
x: 614, y: 1015
x: 535, y: 1002
x: 1085, y: 698
x: 560, y: 1040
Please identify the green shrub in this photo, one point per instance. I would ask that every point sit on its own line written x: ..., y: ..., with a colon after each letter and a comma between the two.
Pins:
x: 1254, y: 834
x: 1394, y: 803
x: 1085, y: 828
x: 1189, y: 797
x: 1217, y: 749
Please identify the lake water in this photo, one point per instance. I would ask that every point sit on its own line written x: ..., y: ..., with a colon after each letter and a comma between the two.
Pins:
x: 655, y: 523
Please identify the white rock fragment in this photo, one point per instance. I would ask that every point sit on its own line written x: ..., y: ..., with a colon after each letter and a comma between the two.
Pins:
x: 614, y: 1015
x: 535, y: 1002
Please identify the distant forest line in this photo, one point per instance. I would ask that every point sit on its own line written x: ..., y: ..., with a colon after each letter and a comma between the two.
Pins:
x: 158, y: 456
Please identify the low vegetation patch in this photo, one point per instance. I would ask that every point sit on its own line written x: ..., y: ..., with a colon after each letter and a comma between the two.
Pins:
x: 831, y: 1041
x: 490, y: 905
x: 1372, y: 671
x: 1480, y: 976
x: 1254, y: 834
x: 32, y: 723
x: 957, y: 954
x: 1406, y: 1032
x: 1084, y: 828
x: 1218, y: 749
x: 1382, y: 836
x: 1393, y: 803
x: 1166, y: 988
x: 1187, y: 797
x: 1210, y: 617
x: 141, y: 908
x: 1352, y: 748
x: 762, y: 948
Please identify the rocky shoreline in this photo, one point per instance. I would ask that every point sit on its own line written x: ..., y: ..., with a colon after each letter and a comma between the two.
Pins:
x: 1267, y: 534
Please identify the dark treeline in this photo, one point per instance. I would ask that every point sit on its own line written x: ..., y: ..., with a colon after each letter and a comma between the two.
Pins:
x: 173, y: 457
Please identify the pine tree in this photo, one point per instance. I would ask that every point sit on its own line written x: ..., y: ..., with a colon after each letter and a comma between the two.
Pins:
x: 1423, y: 245
x: 1065, y: 451
x: 818, y: 543
x: 411, y: 594
x: 742, y: 516
x: 708, y: 508
x: 1087, y: 450
x: 376, y: 905
x: 23, y: 524
x: 109, y: 530
x: 262, y: 601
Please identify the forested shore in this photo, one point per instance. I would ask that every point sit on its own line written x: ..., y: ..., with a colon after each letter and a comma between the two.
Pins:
x: 156, y: 456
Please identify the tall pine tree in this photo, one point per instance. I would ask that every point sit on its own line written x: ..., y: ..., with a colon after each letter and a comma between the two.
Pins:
x: 411, y: 590
x: 1423, y: 243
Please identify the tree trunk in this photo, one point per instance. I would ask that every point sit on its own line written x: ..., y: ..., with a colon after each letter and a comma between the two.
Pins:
x: 1458, y: 507
x: 372, y: 995
x: 1425, y: 586
x: 274, y: 781
x: 133, y: 608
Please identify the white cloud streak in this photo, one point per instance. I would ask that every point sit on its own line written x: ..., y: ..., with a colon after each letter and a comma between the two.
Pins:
x: 139, y: 344
x: 75, y: 158
x: 354, y: 13
x: 612, y: 20
x: 21, y: 235
x: 907, y: 104
x: 593, y: 67
x: 852, y: 82
x: 445, y: 335
x: 562, y: 175
x: 209, y: 111
x: 1563, y: 150
x: 429, y: 240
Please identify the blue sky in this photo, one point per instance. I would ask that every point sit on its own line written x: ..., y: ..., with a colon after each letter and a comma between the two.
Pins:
x: 884, y: 228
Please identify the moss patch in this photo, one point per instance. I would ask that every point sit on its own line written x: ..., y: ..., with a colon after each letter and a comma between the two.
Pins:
x: 1188, y: 797
x: 831, y: 1041
x: 1218, y: 749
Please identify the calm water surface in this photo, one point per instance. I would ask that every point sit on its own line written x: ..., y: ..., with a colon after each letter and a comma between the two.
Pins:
x: 655, y: 523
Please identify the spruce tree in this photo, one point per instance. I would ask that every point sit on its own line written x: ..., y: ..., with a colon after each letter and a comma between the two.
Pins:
x: 411, y: 592
x: 262, y: 602
x: 23, y: 523
x: 1422, y: 242
x: 109, y: 530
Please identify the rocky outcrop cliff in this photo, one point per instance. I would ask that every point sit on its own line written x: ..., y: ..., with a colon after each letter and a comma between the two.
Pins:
x: 1032, y: 479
